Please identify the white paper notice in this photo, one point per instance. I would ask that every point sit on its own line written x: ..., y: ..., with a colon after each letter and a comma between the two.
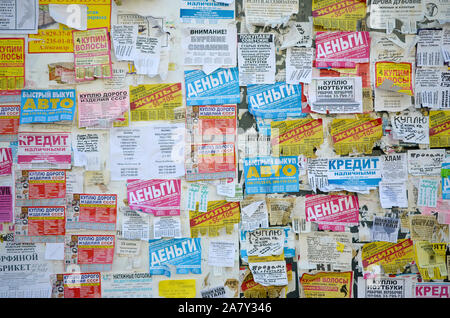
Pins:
x: 299, y: 62
x: 210, y: 45
x: 166, y: 150
x: 425, y: 162
x: 86, y: 151
x: 254, y: 215
x: 256, y: 58
x: 124, y: 38
x: 129, y: 153
x: 54, y: 251
x: 394, y: 167
x: 221, y: 254
x: 413, y: 128
x: 147, y: 57
x: 135, y: 226
x: 393, y: 195
x: 167, y: 226
x: 19, y: 17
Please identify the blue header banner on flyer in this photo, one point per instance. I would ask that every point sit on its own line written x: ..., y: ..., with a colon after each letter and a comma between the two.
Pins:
x: 271, y: 174
x: 47, y: 106
x: 206, y: 11
x: 446, y: 181
x: 356, y: 171
x: 275, y: 101
x: 218, y: 88
x: 184, y: 253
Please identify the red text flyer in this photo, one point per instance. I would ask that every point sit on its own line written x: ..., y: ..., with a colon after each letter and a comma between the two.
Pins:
x: 160, y: 197
x: 45, y: 150
x: 46, y: 184
x: 396, y: 77
x: 92, y: 53
x: 77, y: 285
x: 92, y: 211
x: 6, y: 161
x: 38, y: 223
x: 210, y: 120
x: 12, y: 65
x: 100, y: 109
x: 342, y: 49
x: 89, y: 252
x: 9, y: 119
x: 332, y: 212
x: 432, y: 290
x: 211, y: 161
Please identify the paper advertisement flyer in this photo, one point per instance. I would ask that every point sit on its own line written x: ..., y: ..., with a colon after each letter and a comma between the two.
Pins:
x: 6, y: 204
x: 396, y: 77
x: 338, y: 14
x: 155, y: 101
x: 385, y: 287
x: 358, y: 135
x: 100, y: 109
x: 76, y: 285
x: 256, y: 57
x: 92, y: 54
x: 40, y: 224
x: 327, y: 285
x: 6, y: 161
x: 278, y: 100
x: 184, y: 254
x: 34, y: 187
x: 158, y: 197
x: 218, y: 88
x: 357, y: 171
x: 130, y: 285
x: 92, y: 211
x: 220, y: 214
x: 271, y: 174
x: 211, y: 161
x: 89, y: 252
x: 47, y: 106
x: 342, y: 49
x: 336, y: 95
x: 439, y: 128
x: 296, y: 137
x: 9, y: 121
x: 391, y: 258
x: 206, y: 12
x: 44, y: 150
x: 332, y: 210
x: 12, y: 64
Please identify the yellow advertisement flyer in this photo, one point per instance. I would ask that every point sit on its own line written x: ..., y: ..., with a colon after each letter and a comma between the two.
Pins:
x: 98, y: 11
x: 338, y: 14
x: 155, y: 101
x: 439, y: 128
x: 296, y: 137
x: 51, y: 41
x: 359, y: 134
x: 219, y: 214
x: 92, y: 54
x: 395, y: 77
x: 327, y: 285
x: 431, y: 260
x: 180, y: 288
x: 12, y: 64
x: 392, y: 257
